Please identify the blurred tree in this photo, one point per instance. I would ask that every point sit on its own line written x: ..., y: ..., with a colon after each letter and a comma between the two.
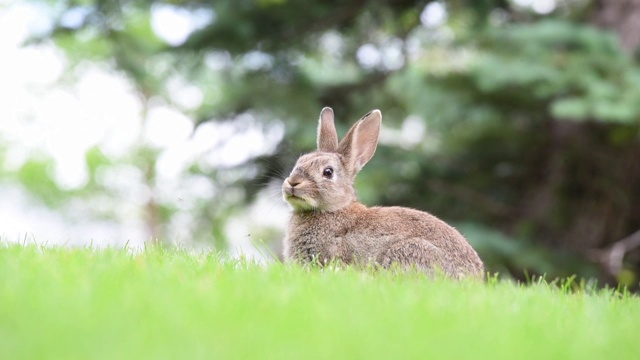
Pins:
x: 521, y: 117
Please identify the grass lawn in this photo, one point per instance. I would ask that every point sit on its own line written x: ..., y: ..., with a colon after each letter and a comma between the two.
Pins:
x: 59, y: 303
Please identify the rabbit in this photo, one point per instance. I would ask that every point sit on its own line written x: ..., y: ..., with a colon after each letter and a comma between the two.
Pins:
x: 328, y: 223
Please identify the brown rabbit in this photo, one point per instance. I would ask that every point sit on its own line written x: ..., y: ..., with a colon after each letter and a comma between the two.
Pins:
x: 328, y: 223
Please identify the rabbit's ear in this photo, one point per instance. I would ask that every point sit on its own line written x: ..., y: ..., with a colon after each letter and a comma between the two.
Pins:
x: 361, y: 141
x: 327, y: 135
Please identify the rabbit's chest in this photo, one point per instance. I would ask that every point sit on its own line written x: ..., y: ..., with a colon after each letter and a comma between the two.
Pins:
x: 321, y: 245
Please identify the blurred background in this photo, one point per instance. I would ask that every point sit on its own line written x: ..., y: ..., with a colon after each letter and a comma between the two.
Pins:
x: 134, y: 122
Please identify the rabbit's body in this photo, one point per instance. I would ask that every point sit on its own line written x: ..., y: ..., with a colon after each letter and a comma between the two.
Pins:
x: 362, y: 235
x: 329, y: 223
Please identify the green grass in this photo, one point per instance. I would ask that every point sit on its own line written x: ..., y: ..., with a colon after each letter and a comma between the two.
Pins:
x: 168, y: 304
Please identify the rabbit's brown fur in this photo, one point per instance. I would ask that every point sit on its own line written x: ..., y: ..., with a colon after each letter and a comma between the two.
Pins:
x: 328, y: 222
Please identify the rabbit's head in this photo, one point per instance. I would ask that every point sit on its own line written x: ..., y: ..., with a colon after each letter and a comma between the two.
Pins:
x: 323, y: 180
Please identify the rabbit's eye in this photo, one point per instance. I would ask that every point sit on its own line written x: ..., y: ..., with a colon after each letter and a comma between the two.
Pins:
x: 328, y: 172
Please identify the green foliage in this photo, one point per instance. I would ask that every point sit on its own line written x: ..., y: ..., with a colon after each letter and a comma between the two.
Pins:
x: 505, y: 254
x: 36, y: 175
x: 83, y: 303
x: 96, y: 161
x: 580, y: 70
x: 531, y: 122
x: 505, y: 155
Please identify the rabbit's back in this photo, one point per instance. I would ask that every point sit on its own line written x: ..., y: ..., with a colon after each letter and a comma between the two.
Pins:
x: 424, y: 241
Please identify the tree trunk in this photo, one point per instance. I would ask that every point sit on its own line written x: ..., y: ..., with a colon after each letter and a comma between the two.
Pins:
x: 621, y: 16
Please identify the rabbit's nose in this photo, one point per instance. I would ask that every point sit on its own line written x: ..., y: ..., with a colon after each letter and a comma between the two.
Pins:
x: 293, y: 182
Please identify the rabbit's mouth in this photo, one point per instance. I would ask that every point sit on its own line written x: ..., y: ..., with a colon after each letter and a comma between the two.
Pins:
x: 300, y: 203
x: 291, y: 195
x: 291, y: 198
